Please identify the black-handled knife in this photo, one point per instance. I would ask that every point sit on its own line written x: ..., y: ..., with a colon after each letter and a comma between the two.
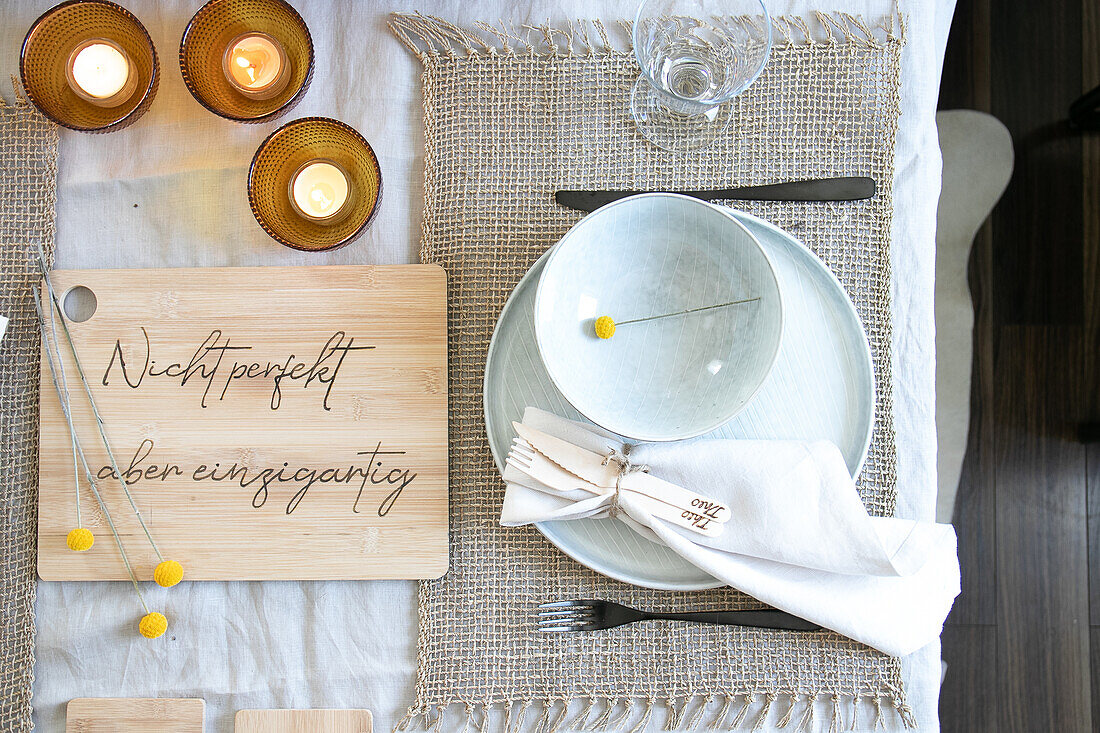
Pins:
x: 853, y: 188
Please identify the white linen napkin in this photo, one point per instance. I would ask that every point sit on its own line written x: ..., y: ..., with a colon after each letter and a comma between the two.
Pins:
x: 799, y: 538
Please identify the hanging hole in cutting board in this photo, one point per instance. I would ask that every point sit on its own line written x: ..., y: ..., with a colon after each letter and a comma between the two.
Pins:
x: 79, y: 304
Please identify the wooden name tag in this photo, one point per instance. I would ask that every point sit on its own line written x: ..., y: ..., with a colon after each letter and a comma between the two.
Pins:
x: 134, y: 715
x: 303, y: 721
x: 271, y: 423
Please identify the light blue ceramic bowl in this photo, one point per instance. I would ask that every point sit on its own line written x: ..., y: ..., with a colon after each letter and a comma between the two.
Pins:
x: 668, y: 378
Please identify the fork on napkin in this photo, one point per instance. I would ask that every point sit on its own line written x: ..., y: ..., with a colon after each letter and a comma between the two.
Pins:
x: 795, y: 534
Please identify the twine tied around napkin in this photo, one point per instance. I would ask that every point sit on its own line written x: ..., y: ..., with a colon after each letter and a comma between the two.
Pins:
x: 792, y: 531
x: 614, y: 455
x: 598, y: 488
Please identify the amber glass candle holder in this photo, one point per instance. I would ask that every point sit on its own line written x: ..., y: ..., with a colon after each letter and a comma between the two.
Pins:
x: 55, y: 40
x: 292, y: 149
x: 216, y: 27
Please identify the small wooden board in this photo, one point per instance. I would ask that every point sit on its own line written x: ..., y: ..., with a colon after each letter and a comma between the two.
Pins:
x: 303, y: 721
x: 134, y: 715
x: 277, y: 423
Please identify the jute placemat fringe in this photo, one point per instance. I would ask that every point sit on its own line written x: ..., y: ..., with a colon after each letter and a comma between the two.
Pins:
x: 512, y: 114
x: 28, y: 179
x: 694, y: 713
x: 432, y: 35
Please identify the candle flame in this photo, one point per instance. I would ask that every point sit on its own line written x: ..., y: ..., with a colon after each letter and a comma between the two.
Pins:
x: 319, y: 189
x: 321, y: 199
x: 248, y: 66
x: 99, y: 70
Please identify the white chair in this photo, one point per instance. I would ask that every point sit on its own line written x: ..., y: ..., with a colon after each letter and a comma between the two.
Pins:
x: 977, y: 163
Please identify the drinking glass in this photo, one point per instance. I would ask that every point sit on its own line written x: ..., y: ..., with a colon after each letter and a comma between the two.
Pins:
x: 695, y: 55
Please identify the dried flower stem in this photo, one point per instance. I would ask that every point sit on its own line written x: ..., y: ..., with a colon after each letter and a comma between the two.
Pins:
x: 689, y: 310
x: 91, y: 400
x: 63, y: 396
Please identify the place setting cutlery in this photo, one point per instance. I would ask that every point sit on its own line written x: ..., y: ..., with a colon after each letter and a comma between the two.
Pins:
x: 574, y: 469
x: 597, y: 615
x: 847, y: 188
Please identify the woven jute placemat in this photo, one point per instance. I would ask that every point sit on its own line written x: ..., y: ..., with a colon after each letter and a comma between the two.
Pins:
x: 28, y: 179
x: 510, y: 116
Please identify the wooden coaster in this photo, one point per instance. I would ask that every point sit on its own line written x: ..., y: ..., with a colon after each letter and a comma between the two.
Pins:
x: 303, y: 721
x: 134, y: 715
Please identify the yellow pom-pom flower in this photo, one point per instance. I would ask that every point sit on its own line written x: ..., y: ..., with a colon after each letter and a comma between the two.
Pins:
x: 168, y: 573
x: 605, y: 327
x: 153, y: 625
x: 80, y: 540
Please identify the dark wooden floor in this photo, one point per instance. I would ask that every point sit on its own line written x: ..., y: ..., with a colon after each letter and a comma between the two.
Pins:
x: 1023, y: 641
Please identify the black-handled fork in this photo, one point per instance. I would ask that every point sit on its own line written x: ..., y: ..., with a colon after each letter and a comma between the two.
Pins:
x: 593, y: 615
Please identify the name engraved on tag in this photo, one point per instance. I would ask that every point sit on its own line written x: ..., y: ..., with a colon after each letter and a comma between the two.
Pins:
x: 697, y: 520
x: 710, y: 508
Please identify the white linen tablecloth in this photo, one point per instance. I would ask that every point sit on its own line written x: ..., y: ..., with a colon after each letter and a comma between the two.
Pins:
x: 170, y: 192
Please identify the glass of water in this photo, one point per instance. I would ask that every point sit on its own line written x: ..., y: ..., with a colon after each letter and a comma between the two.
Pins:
x: 695, y: 55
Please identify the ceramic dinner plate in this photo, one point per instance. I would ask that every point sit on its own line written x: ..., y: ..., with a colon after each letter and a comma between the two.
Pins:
x: 821, y: 387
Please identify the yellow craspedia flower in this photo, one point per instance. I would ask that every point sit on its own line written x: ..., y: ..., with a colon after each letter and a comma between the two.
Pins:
x: 168, y: 573
x: 80, y: 539
x: 605, y: 327
x: 153, y: 625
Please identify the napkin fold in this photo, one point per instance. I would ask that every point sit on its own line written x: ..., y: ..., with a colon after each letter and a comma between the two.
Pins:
x: 799, y: 538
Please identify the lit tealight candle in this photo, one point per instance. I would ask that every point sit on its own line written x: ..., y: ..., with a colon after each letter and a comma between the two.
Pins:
x: 100, y: 72
x: 256, y: 65
x: 319, y: 190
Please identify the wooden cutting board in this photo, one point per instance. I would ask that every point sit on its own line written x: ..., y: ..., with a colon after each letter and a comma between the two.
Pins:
x: 303, y: 721
x: 134, y: 715
x: 273, y: 423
